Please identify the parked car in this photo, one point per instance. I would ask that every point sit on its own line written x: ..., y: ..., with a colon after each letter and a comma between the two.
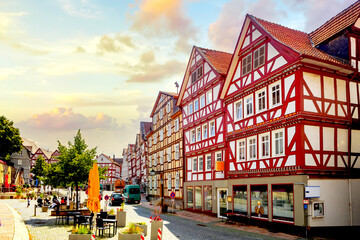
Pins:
x: 116, y: 199
x: 131, y: 193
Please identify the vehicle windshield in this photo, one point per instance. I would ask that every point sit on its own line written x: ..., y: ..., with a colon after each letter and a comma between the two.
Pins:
x: 117, y: 195
x: 134, y: 190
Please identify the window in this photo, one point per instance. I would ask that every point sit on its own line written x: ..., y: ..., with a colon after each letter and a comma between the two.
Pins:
x: 168, y: 107
x: 261, y: 101
x: 19, y: 162
x: 199, y: 72
x: 154, y: 119
x: 283, y: 202
x: 177, y: 151
x: 150, y: 161
x: 195, y: 164
x: 191, y: 109
x: 161, y: 157
x: 196, y: 105
x: 177, y: 181
x: 161, y: 113
x: 207, y: 198
x: 176, y: 125
x: 155, y: 183
x: 155, y: 159
x: 169, y: 181
x: 198, y: 198
x: 169, y: 129
x: 198, y: 131
x: 238, y: 110
x: 259, y: 57
x: 151, y: 184
x: 241, y: 150
x: 264, y: 145
x: 161, y: 133
x: 193, y: 136
x: 201, y: 163
x: 209, y: 97
x: 246, y: 65
x: 205, y: 131
x: 212, y: 129
x: 208, y: 162
x: 169, y: 154
x: 252, y: 147
x: 193, y: 77
x: 218, y: 157
x: 249, y: 105
x: 202, y: 101
x: 275, y: 94
x: 190, y: 197
x: 278, y: 136
x: 155, y: 138
x: 240, y: 199
x: 259, y: 201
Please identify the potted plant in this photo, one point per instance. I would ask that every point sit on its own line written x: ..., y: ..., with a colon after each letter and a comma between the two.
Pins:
x: 121, y: 216
x: 156, y: 223
x: 143, y: 226
x: 130, y: 232
x: 81, y: 233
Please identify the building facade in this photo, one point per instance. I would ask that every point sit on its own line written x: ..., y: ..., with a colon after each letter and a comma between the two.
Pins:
x: 112, y: 174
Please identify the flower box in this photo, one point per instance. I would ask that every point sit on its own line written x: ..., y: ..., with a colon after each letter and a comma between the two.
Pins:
x: 80, y: 237
x: 129, y: 236
x: 44, y: 209
x: 155, y: 225
x: 121, y: 218
x: 143, y: 227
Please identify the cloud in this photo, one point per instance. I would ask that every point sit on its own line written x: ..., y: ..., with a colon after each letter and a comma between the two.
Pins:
x: 125, y: 40
x: 80, y: 8
x: 224, y: 32
x: 114, y: 44
x: 67, y: 119
x: 167, y: 18
x: 79, y: 50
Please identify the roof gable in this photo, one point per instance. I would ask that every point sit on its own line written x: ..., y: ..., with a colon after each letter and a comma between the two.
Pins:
x: 159, y: 98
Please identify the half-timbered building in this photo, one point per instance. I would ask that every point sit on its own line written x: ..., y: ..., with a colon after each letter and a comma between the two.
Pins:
x: 165, y: 163
x: 46, y: 154
x: 145, y: 129
x: 292, y: 121
x: 204, y: 127
x: 112, y: 173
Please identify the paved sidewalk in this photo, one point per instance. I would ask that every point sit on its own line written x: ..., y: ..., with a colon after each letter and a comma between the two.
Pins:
x: 12, y: 224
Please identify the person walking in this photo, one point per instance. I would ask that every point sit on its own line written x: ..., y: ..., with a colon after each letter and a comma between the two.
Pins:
x: 28, y: 202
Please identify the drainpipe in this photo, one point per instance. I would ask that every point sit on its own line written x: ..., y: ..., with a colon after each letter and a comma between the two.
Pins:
x: 350, y: 202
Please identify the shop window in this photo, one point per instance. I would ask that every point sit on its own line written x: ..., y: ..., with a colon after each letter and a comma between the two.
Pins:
x: 190, y: 197
x: 259, y: 201
x: 207, y: 198
x: 240, y: 199
x: 198, y: 198
x: 283, y: 202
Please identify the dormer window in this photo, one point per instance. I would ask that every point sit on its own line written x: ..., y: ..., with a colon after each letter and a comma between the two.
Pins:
x: 259, y: 57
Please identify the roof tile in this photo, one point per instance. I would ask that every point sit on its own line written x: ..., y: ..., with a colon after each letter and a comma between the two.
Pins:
x: 220, y: 60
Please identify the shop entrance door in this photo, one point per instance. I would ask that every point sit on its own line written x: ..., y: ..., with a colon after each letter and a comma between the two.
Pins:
x: 222, y: 202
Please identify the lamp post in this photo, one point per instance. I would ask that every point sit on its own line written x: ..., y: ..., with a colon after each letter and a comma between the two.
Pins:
x: 162, y: 188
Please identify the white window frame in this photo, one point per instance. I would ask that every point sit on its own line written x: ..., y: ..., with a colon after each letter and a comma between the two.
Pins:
x: 168, y: 107
x: 161, y: 157
x: 155, y: 138
x: 261, y: 145
x: 208, y: 166
x: 209, y: 97
x: 176, y: 125
x: 198, y: 134
x: 272, y: 104
x: 205, y: 131
x: 168, y: 154
x: 195, y: 164
x: 193, y: 136
x: 191, y: 108
x: 169, y: 181
x: 202, y: 101
x: 161, y: 134
x: 161, y: 113
x: 251, y: 144
x: 177, y: 181
x: 169, y: 130
x: 238, y: 150
x: 264, y: 97
x: 155, y: 159
x: 212, y: 134
x: 275, y: 139
x: 155, y: 183
x: 217, y: 158
x: 196, y: 105
x: 177, y: 151
x: 246, y: 105
x: 154, y: 119
x: 236, y: 117
x: 201, y: 165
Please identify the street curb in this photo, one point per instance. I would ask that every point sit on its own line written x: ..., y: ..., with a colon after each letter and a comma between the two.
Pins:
x: 21, y: 232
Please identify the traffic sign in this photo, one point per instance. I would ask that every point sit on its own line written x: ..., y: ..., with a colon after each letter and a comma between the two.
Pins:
x: 106, y: 197
x: 172, y: 195
x: 306, y: 201
x: 86, y: 192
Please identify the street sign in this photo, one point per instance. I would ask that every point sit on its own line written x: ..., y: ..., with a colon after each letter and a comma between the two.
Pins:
x: 306, y: 201
x: 172, y: 201
x: 86, y: 192
x: 106, y: 198
x: 172, y: 195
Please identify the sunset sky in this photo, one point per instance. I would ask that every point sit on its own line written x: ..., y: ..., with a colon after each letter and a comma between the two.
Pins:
x: 97, y: 65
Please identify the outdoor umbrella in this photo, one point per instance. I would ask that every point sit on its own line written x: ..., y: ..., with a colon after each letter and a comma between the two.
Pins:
x: 94, y: 190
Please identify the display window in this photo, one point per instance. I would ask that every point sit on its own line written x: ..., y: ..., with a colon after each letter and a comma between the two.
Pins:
x: 190, y: 197
x: 283, y: 202
x: 207, y: 198
x: 240, y: 199
x: 198, y: 198
x: 259, y: 201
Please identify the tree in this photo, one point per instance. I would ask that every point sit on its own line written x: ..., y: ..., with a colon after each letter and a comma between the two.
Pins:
x: 40, y: 169
x: 10, y: 140
x: 102, y: 172
x: 75, y: 162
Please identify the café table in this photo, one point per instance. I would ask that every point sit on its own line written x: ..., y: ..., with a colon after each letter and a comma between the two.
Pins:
x: 113, y: 222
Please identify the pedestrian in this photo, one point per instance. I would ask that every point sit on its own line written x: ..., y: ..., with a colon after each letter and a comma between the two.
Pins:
x: 28, y: 202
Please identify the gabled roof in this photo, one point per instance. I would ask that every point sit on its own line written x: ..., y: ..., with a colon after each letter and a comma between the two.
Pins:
x: 219, y: 60
x: 30, y: 145
x: 175, y: 95
x: 336, y: 24
x: 145, y: 128
x: 294, y: 39
x: 109, y: 158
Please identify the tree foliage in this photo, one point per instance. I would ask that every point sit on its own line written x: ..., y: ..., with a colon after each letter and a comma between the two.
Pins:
x: 102, y: 172
x: 40, y: 169
x: 10, y: 140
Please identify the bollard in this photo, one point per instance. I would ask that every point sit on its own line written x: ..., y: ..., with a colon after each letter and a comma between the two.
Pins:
x: 142, y: 237
x: 159, y: 233
x: 34, y: 209
x: 92, y: 236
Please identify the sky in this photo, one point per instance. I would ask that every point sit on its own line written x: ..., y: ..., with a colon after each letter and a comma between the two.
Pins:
x: 98, y: 65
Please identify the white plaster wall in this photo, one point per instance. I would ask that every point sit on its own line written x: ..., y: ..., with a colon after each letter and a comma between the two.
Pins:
x: 342, y: 141
x: 355, y: 141
x: 328, y: 139
x: 355, y: 201
x: 313, y: 82
x: 341, y: 90
x: 313, y: 135
x: 329, y: 92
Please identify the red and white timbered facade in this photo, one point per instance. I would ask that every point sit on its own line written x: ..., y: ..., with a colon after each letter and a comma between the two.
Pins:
x: 113, y: 172
x: 203, y: 124
x: 40, y: 152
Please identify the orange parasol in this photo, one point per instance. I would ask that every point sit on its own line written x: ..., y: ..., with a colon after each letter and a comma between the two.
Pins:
x: 94, y: 190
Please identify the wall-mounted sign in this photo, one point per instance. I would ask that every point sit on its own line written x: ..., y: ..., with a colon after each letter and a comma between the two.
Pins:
x: 312, y: 192
x: 318, y: 209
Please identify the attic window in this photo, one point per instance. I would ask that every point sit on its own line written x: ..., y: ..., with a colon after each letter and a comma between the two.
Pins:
x: 197, y: 74
x: 246, y: 65
x: 259, y: 57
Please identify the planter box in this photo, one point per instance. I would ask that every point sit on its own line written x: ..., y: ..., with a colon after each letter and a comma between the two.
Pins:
x: 155, y: 225
x: 80, y: 237
x: 129, y: 236
x: 62, y: 207
x: 121, y: 218
x: 143, y: 227
x: 111, y: 216
x: 44, y: 209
